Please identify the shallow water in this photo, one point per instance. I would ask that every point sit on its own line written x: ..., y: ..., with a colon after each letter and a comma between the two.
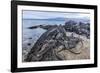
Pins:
x: 31, y: 35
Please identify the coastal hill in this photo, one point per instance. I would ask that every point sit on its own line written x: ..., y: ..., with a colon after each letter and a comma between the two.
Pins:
x: 63, y: 19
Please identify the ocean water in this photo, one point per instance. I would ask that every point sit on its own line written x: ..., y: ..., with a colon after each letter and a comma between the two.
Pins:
x: 30, y: 36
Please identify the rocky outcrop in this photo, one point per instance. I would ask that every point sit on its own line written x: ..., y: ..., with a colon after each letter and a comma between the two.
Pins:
x: 50, y: 43
x: 79, y: 28
x: 71, y: 26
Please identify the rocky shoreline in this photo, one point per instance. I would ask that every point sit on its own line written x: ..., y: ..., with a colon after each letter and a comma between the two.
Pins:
x: 64, y: 42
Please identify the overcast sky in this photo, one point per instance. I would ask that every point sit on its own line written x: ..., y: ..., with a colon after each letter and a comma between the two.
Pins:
x: 46, y: 15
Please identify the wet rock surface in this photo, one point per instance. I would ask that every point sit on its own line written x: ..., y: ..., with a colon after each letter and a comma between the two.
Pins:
x: 47, y: 46
x: 63, y: 42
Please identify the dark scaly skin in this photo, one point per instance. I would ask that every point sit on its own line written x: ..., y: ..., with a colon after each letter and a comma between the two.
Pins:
x: 50, y: 38
x: 40, y: 42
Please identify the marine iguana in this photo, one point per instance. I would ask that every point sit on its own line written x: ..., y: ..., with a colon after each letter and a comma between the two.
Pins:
x: 45, y: 47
